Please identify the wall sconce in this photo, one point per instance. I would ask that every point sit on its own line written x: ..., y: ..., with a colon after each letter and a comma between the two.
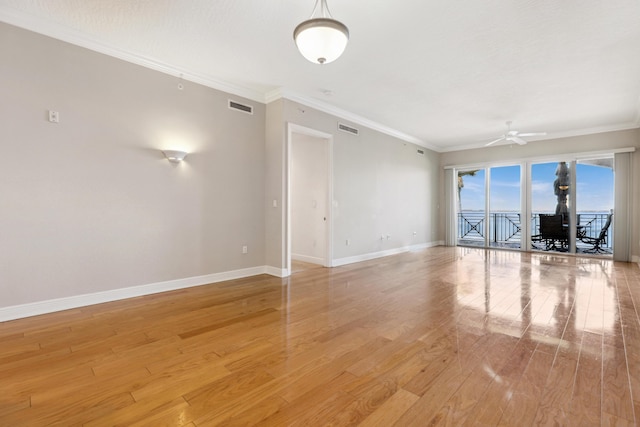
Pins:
x: 175, y: 156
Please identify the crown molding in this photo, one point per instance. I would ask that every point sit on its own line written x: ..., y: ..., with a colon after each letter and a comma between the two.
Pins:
x: 283, y: 93
x: 78, y: 38
x: 555, y: 135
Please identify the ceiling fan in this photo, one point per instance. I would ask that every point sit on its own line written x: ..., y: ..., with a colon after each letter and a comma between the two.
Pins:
x: 515, y: 136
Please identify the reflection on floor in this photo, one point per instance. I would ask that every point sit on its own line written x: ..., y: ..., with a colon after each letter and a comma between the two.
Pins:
x: 441, y: 336
x: 581, y: 248
x: 300, y: 266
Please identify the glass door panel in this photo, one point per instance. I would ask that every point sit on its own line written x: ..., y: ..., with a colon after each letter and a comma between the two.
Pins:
x: 471, y: 207
x: 594, y: 206
x: 504, y: 202
x: 550, y: 206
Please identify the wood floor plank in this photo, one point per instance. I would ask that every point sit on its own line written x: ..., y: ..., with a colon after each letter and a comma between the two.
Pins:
x: 369, y: 396
x: 492, y: 404
x: 523, y: 405
x: 553, y: 408
x: 226, y: 388
x: 179, y: 380
x: 586, y: 401
x: 144, y: 413
x: 14, y: 403
x: 391, y: 410
x: 254, y: 413
x: 441, y: 336
x: 616, y: 390
x: 315, y: 406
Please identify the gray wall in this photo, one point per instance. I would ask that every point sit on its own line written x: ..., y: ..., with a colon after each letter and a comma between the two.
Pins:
x: 274, y: 186
x: 381, y: 186
x: 579, y: 144
x: 90, y: 204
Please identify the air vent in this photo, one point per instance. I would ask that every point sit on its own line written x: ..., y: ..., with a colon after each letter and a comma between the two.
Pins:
x: 348, y: 129
x: 421, y: 152
x: 240, y: 107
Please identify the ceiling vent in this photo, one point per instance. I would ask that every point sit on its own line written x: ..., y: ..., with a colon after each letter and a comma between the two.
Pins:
x: 240, y: 107
x: 348, y: 129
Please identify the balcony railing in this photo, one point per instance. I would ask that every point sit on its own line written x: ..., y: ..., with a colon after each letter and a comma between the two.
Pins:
x: 504, y: 228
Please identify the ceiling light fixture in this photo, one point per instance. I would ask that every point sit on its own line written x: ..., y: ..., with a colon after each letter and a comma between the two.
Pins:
x: 321, y: 39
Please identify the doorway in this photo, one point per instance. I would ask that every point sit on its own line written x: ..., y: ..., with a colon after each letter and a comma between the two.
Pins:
x: 309, y: 196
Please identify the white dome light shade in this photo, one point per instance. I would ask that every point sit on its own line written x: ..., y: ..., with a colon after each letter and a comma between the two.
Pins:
x: 321, y: 40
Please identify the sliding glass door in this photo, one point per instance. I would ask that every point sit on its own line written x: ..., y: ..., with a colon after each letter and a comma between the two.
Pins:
x: 594, y: 206
x: 472, y: 223
x: 505, y: 219
x: 551, y: 206
x: 489, y: 207
x: 563, y: 205
x: 572, y: 206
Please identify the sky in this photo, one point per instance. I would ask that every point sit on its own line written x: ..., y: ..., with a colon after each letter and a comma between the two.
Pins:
x: 594, y: 188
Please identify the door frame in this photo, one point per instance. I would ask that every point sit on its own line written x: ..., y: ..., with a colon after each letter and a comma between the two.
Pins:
x: 295, y: 128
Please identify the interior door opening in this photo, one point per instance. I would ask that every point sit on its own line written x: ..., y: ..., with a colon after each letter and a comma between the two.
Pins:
x: 309, y: 197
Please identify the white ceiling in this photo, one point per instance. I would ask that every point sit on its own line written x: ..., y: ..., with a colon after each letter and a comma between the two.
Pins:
x: 445, y: 74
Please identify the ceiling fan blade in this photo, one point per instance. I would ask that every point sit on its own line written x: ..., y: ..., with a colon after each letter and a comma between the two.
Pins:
x: 532, y: 134
x: 517, y: 140
x: 495, y: 140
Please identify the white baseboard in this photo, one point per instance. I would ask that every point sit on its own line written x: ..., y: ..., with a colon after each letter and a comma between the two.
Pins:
x: 426, y: 245
x: 305, y: 258
x: 373, y: 255
x: 67, y: 303
x: 277, y: 272
x: 59, y: 304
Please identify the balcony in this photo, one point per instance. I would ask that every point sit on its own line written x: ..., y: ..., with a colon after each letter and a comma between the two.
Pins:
x: 504, y: 230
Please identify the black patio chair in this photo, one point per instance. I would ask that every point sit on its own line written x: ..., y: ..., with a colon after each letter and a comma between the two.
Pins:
x: 600, y: 240
x: 552, y: 231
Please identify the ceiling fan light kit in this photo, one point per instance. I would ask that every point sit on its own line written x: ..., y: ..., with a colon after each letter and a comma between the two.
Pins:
x: 514, y: 136
x: 321, y: 39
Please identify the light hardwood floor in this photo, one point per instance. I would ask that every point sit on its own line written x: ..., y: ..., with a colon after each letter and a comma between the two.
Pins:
x: 444, y: 336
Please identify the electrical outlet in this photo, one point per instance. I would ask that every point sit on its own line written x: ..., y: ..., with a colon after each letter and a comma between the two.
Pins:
x: 245, y: 249
x: 54, y: 116
x: 347, y: 242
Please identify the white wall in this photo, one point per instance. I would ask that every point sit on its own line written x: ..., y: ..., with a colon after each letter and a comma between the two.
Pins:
x: 309, y: 192
x: 579, y: 144
x: 90, y: 204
